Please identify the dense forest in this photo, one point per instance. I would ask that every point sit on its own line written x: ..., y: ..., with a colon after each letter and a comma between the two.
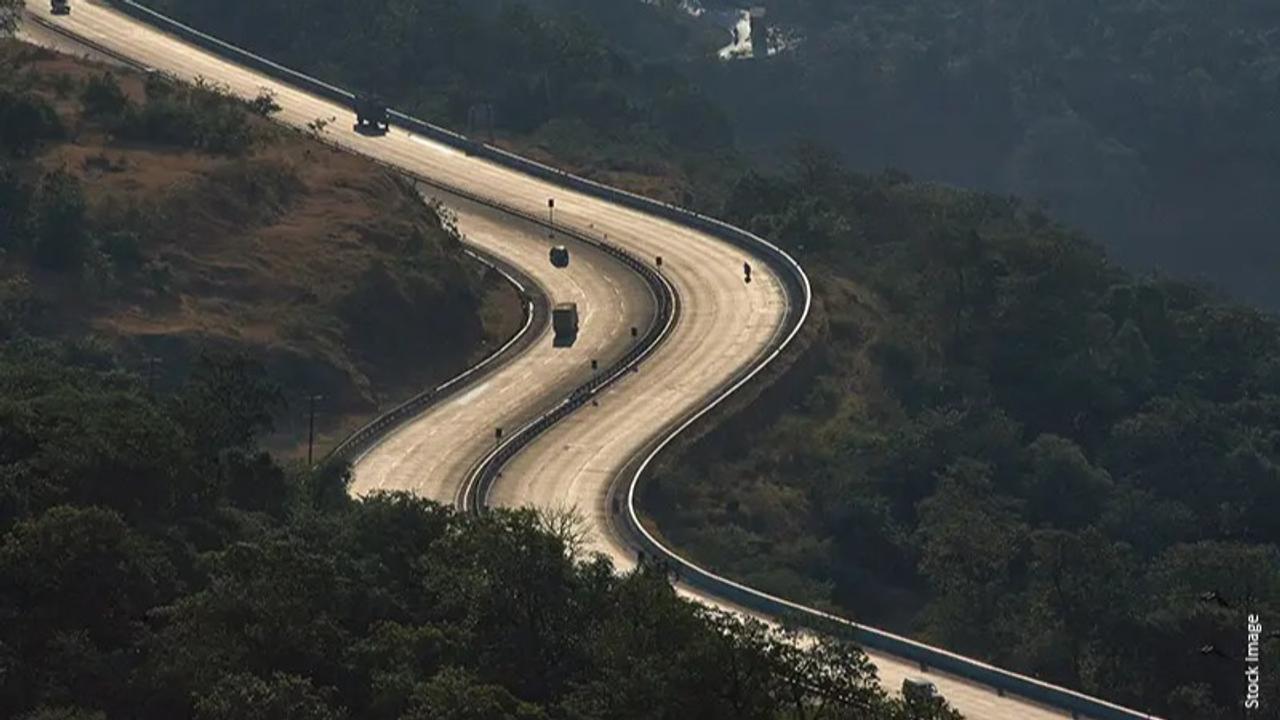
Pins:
x: 164, y: 218
x: 1010, y: 446
x: 1152, y: 125
x: 155, y: 564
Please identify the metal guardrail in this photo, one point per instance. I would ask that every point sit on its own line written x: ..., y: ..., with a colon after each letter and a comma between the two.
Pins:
x: 800, y: 293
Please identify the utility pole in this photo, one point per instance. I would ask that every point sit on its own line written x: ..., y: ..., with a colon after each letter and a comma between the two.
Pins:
x: 311, y: 428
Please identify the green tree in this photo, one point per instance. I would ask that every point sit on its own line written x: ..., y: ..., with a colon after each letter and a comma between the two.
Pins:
x: 452, y: 694
x: 1081, y: 583
x: 1063, y: 488
x: 10, y: 15
x: 102, y: 97
x: 64, y: 713
x: 14, y: 198
x: 227, y: 401
x: 62, y: 236
x: 242, y: 696
x: 78, y: 578
x: 25, y: 121
x: 970, y: 539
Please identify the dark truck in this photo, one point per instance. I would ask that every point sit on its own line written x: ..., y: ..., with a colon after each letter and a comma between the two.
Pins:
x: 564, y: 321
x: 919, y: 690
x: 372, y: 117
x: 60, y: 7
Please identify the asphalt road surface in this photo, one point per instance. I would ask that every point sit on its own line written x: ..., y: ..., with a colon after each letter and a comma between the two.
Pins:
x: 429, y: 454
x: 724, y: 326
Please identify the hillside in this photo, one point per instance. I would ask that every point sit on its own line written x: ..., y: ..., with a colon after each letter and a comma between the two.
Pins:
x: 155, y: 565
x: 168, y: 221
x: 1008, y: 445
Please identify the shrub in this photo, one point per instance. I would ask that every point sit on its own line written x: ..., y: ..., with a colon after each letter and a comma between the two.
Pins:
x: 199, y: 118
x: 125, y: 250
x: 25, y: 121
x: 102, y: 97
x: 62, y: 236
x: 265, y: 103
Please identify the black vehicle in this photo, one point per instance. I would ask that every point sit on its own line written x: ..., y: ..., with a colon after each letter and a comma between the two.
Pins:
x: 560, y: 256
x: 919, y: 690
x: 372, y: 117
x: 60, y: 7
x: 564, y: 321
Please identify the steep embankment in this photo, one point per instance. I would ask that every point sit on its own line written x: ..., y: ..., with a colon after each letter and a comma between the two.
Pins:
x: 168, y: 220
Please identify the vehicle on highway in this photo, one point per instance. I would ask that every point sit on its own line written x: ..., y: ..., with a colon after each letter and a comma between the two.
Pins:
x: 372, y: 117
x: 564, y: 321
x: 60, y: 7
x: 920, y: 690
x: 560, y: 256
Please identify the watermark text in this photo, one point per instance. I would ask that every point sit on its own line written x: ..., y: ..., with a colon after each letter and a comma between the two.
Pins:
x: 1253, y: 663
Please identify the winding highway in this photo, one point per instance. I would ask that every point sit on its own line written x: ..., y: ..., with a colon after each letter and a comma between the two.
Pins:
x: 429, y: 454
x: 724, y: 327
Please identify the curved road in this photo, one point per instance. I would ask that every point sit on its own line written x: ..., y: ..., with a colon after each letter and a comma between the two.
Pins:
x: 725, y: 325
x: 429, y: 454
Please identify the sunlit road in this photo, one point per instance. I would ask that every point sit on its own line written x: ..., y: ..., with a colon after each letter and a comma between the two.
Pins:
x: 725, y: 324
x: 429, y: 454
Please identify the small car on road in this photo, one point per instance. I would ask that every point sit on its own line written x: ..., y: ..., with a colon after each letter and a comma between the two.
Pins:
x: 560, y: 256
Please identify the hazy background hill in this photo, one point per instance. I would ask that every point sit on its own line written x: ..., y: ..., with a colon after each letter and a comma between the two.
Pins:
x: 1150, y: 125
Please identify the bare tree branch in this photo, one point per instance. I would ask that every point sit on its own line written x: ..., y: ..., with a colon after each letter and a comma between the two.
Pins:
x: 569, y: 525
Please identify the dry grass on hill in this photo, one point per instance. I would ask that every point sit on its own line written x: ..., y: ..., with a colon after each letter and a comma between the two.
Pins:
x: 319, y: 262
